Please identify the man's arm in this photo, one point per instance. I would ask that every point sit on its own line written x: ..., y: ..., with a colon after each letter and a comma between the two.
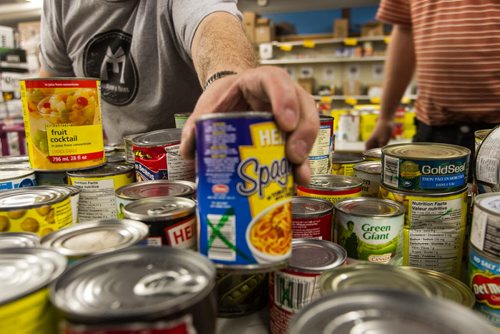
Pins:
x: 399, y: 68
x: 220, y: 44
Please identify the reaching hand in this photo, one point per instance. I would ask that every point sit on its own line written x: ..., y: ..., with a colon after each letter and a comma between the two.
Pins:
x: 380, y: 135
x: 263, y: 89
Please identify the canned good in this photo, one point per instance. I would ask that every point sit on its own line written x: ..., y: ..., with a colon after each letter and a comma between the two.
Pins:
x: 171, y: 220
x: 333, y: 188
x: 24, y: 302
x: 98, y: 185
x: 374, y: 154
x: 484, y: 280
x: 240, y: 294
x: 343, y: 163
x: 425, y: 166
x: 116, y: 156
x: 387, y: 311
x: 180, y: 119
x: 479, y: 136
x: 434, y: 228
x: 485, y: 231
x: 96, y: 237
x: 246, y: 179
x: 13, y: 178
x: 296, y: 286
x: 321, y: 155
x: 157, y: 156
x: 148, y: 289
x: 155, y: 188
x: 370, y: 229
x: 74, y: 197
x: 15, y: 160
x: 38, y: 209
x: 18, y: 240
x: 487, y: 171
x: 349, y: 127
x: 62, y: 120
x: 370, y: 172
x: 129, y: 147
x: 312, y: 218
x: 51, y: 178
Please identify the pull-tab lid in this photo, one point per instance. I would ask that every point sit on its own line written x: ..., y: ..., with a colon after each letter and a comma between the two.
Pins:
x: 159, y: 208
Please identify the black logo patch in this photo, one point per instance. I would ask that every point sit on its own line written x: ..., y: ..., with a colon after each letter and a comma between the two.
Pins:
x: 107, y: 56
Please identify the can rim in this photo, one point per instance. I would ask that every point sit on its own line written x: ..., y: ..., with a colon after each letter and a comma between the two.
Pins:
x: 349, y: 182
x: 482, y: 197
x: 327, y: 209
x: 20, y: 173
x: 388, y: 150
x: 162, y: 213
x: 339, y: 251
x: 236, y: 114
x: 399, y: 209
x: 121, y: 192
x: 116, y: 168
x: 59, y: 195
x: 174, y: 135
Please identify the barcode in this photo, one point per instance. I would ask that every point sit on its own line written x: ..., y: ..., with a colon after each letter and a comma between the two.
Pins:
x: 292, y: 293
x: 220, y: 250
x: 391, y: 171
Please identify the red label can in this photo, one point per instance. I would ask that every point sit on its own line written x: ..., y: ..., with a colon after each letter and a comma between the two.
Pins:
x: 312, y: 218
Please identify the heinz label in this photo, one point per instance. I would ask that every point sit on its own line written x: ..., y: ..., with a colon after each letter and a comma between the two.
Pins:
x: 63, y: 124
x: 247, y: 183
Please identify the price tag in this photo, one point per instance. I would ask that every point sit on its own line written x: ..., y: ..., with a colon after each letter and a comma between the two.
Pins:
x: 350, y: 41
x: 286, y: 47
x: 351, y: 100
x: 309, y: 44
x: 325, y: 99
x: 375, y: 100
x: 387, y: 39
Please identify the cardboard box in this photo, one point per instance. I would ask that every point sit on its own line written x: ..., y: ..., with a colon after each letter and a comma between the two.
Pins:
x: 307, y: 84
x: 249, y: 21
x: 264, y: 34
x: 263, y: 21
x: 341, y: 28
x: 372, y: 29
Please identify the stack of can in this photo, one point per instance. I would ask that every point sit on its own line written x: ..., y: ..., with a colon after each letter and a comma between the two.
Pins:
x: 430, y: 180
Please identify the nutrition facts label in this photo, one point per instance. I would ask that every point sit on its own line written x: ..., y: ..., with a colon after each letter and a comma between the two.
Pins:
x: 178, y: 168
x: 488, y: 162
x: 97, y: 200
x: 320, y: 156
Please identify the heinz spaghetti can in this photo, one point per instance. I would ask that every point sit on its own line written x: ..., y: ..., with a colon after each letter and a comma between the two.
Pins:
x: 246, y: 183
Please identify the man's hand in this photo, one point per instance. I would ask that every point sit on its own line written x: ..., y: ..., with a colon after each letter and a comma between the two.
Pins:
x: 263, y: 89
x: 380, y: 135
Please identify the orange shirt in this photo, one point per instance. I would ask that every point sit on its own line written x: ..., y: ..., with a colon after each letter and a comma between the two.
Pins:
x: 457, y: 46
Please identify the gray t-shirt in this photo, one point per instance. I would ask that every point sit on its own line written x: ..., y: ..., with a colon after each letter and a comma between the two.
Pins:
x: 140, y: 49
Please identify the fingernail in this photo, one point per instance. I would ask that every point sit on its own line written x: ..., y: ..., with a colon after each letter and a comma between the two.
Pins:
x: 290, y: 115
x: 299, y: 147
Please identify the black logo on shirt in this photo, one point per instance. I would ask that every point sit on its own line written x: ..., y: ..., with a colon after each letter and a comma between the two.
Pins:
x: 107, y: 56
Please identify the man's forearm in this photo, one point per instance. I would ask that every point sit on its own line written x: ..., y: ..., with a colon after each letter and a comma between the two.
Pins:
x: 399, y: 69
x: 220, y: 44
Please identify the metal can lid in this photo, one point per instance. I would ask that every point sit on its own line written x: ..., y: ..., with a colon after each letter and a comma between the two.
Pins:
x: 156, y: 188
x: 447, y: 287
x: 489, y: 202
x: 377, y: 276
x: 116, y: 157
x: 159, y: 208
x: 426, y: 151
x: 158, y: 137
x: 387, y: 311
x: 346, y: 158
x: 14, y: 159
x: 334, y: 182
x: 26, y: 270
x: 370, y: 207
x: 31, y: 197
x: 14, y: 173
x: 374, y: 153
x: 237, y: 114
x: 18, y: 239
x: 96, y: 237
x: 370, y: 167
x: 73, y: 190
x: 315, y: 255
x: 137, y: 283
x: 108, y: 169
x: 325, y: 118
x: 304, y: 207
x: 481, y: 134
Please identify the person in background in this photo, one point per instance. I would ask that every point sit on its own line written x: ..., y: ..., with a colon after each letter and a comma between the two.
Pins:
x: 453, y: 47
x: 158, y: 58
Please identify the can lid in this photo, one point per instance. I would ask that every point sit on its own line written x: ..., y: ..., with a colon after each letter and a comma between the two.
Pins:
x: 108, y: 169
x: 26, y: 270
x: 139, y: 283
x: 426, y: 151
x: 489, y: 202
x: 370, y: 167
x: 18, y: 239
x: 387, y: 311
x: 346, y: 158
x: 370, y: 207
x: 156, y: 188
x: 158, y: 137
x: 374, y: 153
x: 334, y: 182
x: 96, y: 237
x: 73, y: 190
x: 447, y: 287
x: 378, y: 276
x: 32, y: 197
x: 13, y: 173
x: 14, y: 159
x: 303, y: 206
x: 315, y: 255
x: 159, y: 208
x: 236, y: 114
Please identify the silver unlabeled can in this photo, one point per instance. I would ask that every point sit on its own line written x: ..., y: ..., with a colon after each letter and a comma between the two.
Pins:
x: 370, y: 172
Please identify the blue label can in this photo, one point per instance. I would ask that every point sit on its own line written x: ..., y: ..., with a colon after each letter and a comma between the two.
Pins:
x: 245, y: 187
